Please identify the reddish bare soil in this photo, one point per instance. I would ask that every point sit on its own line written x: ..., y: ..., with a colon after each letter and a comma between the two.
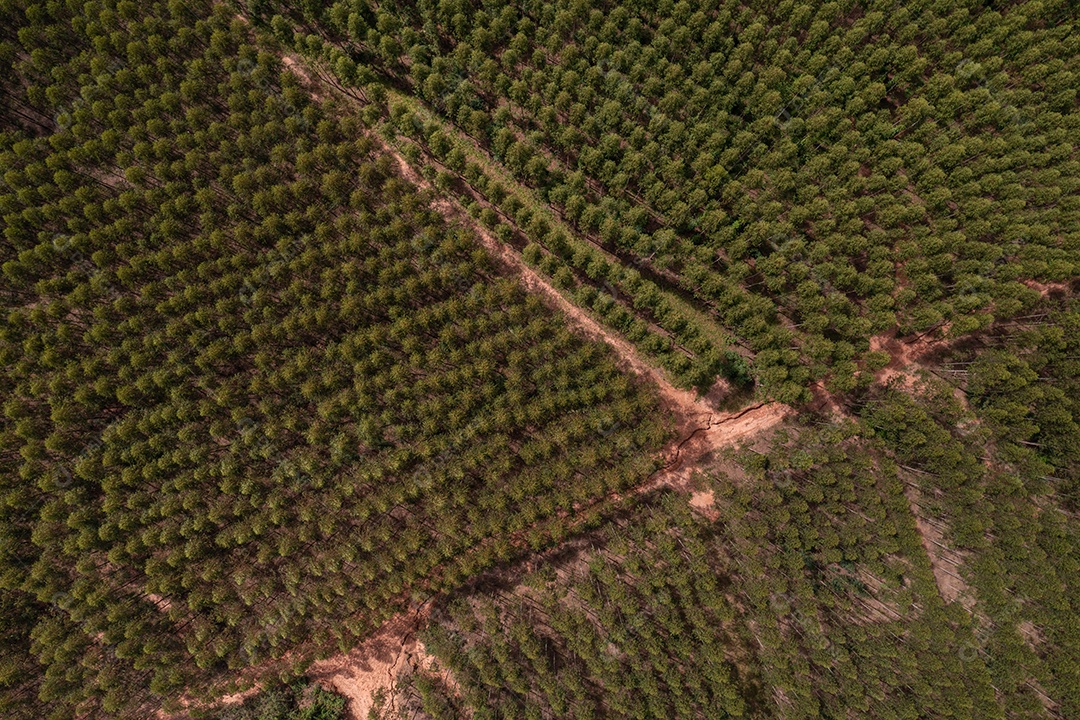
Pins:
x: 905, y: 355
x: 189, y: 706
x: 702, y: 501
x: 1045, y: 289
x: 374, y: 664
x: 291, y: 63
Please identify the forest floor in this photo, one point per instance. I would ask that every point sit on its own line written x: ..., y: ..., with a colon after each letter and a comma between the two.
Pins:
x: 951, y: 586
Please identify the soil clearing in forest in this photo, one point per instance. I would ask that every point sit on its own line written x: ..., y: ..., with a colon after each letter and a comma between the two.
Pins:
x: 375, y: 664
x: 904, y: 356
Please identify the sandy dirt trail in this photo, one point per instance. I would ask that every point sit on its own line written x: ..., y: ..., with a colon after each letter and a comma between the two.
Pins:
x: 693, y: 415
